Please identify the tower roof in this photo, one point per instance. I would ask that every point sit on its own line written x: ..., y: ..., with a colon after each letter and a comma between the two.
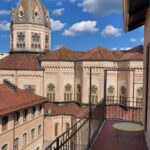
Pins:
x: 31, y: 12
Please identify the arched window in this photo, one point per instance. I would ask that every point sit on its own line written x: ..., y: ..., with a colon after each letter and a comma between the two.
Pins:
x: 51, y: 92
x: 68, y: 93
x: 36, y: 41
x: 110, y: 94
x: 4, y: 147
x: 111, y: 91
x: 16, y: 144
x: 24, y: 140
x: 21, y: 40
x: 139, y: 97
x: 39, y: 130
x: 94, y: 94
x: 123, y: 99
x: 79, y: 93
x: 56, y: 129
x: 32, y: 134
x: 123, y: 91
x: 67, y: 126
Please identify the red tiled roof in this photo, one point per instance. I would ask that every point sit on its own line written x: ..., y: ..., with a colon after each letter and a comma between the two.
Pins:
x: 71, y: 108
x: 63, y: 54
x: 20, y: 61
x: 132, y: 56
x: 28, y: 61
x: 98, y: 53
x: 13, y: 100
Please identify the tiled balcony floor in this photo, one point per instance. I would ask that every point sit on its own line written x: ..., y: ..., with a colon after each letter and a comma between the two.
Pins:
x: 106, y: 140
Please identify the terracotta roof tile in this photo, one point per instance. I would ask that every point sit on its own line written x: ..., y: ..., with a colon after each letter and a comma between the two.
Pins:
x: 20, y: 61
x: 13, y: 100
x: 132, y: 56
x: 71, y: 108
x: 28, y: 61
x: 99, y: 53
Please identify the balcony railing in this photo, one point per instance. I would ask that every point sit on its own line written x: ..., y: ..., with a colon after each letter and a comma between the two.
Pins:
x: 81, y: 135
x: 124, y: 108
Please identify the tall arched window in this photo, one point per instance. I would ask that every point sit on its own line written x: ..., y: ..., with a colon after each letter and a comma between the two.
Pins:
x: 111, y: 91
x: 94, y: 94
x: 79, y: 93
x: 68, y: 93
x: 56, y: 129
x: 123, y: 99
x: 51, y: 92
x: 139, y: 97
x: 67, y: 126
x: 16, y: 144
x: 110, y: 95
x: 24, y: 139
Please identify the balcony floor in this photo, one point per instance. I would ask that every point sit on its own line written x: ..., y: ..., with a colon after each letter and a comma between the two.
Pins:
x: 106, y: 140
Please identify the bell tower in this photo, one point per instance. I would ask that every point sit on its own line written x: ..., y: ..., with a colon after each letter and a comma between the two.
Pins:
x: 30, y: 27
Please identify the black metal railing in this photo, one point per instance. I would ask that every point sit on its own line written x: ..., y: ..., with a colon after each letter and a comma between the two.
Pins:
x: 78, y: 137
x: 124, y: 108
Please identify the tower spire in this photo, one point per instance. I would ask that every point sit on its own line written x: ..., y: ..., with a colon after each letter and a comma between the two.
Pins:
x: 29, y: 11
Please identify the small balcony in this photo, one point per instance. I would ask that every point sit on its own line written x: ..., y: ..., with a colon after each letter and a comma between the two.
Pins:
x: 95, y: 131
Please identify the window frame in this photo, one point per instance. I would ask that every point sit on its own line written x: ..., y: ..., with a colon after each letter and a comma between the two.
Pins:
x: 24, y: 141
x: 17, y: 144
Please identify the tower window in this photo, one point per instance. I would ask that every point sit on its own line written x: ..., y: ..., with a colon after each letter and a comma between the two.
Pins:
x: 46, y: 42
x: 21, y: 13
x: 20, y: 40
x: 36, y: 40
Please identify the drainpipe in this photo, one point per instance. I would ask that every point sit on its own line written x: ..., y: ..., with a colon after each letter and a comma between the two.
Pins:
x: 90, y: 108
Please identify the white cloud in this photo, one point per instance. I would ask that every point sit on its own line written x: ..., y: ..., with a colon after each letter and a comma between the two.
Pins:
x: 133, y: 40
x: 111, y: 31
x: 114, y: 48
x: 58, y: 12
x: 101, y: 7
x: 4, y: 12
x: 72, y: 1
x: 81, y: 27
x: 61, y: 2
x: 57, y: 25
x: 4, y: 26
x: 57, y: 47
x: 126, y: 48
x: 142, y: 40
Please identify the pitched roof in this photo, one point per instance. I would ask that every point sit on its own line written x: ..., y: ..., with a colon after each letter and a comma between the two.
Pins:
x: 132, y: 56
x: 99, y: 53
x: 70, y: 108
x: 96, y: 54
x: 20, y: 61
x: 12, y: 99
x: 60, y: 54
x: 31, y: 61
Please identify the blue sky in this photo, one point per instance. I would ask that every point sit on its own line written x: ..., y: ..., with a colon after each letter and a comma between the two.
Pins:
x: 79, y: 24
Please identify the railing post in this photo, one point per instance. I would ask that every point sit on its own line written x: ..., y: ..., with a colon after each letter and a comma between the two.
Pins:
x: 105, y: 87
x: 90, y: 107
